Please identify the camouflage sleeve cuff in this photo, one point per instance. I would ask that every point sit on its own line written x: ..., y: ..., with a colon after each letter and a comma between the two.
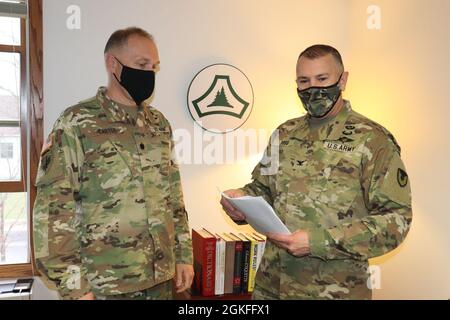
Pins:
x: 319, y: 243
x: 248, y: 191
x: 184, y: 256
x: 183, y: 250
x: 254, y: 191
x: 257, y: 189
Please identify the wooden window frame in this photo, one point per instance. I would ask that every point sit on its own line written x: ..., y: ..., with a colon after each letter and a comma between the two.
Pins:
x: 32, y: 115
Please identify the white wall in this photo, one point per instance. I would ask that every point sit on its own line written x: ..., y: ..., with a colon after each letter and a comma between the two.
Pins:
x: 260, y: 37
x: 399, y: 77
x: 402, y: 90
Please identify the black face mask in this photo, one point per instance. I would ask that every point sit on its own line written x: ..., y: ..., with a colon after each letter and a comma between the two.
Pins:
x: 138, y: 83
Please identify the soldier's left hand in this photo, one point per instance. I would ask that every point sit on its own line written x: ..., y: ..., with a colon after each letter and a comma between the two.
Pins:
x: 296, y: 243
x: 184, y: 276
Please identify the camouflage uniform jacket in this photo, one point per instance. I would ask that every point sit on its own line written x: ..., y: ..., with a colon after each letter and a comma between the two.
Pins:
x: 109, y: 215
x: 345, y: 184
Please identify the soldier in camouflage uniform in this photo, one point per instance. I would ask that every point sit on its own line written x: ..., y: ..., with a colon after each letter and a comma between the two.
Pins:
x: 109, y: 217
x: 341, y: 188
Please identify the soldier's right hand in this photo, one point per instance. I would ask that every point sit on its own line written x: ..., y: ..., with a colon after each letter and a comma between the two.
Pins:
x: 234, y: 214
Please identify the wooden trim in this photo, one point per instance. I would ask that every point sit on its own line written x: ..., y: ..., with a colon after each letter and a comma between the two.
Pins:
x: 19, y: 186
x: 36, y: 98
x: 17, y: 48
x: 25, y: 269
x: 12, y: 186
x: 16, y: 271
x: 34, y: 109
x: 11, y: 49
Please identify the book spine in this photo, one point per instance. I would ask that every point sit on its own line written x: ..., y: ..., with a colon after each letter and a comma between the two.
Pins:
x: 217, y: 277
x: 229, y: 266
x: 209, y: 267
x: 261, y: 247
x: 253, y: 263
x: 197, y: 248
x: 245, y: 266
x: 238, y: 249
x: 220, y: 267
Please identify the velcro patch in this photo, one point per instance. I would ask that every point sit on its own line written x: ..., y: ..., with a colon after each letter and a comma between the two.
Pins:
x: 402, y: 177
x: 334, y: 146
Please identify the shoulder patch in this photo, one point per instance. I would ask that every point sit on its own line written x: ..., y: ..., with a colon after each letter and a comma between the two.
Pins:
x: 402, y: 177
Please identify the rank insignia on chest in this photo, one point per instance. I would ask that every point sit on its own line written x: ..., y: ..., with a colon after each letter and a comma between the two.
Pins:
x: 335, y: 146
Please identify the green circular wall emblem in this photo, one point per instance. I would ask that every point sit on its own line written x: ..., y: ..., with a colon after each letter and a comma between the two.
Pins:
x: 220, y: 98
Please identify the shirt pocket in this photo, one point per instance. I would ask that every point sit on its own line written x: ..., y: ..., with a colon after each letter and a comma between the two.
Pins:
x: 344, y: 176
x: 293, y: 160
x: 311, y: 172
x: 307, y: 169
x: 156, y: 155
x: 341, y: 187
x: 109, y: 165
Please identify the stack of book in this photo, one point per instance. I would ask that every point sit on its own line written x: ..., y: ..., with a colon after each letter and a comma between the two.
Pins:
x: 226, y: 263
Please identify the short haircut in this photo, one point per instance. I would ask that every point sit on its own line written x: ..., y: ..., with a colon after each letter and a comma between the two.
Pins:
x: 120, y: 37
x: 320, y: 50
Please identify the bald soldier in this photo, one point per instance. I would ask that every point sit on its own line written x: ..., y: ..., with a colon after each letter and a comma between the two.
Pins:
x: 341, y: 188
x: 109, y: 218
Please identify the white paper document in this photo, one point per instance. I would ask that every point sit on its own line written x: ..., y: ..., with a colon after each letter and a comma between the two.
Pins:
x: 259, y: 214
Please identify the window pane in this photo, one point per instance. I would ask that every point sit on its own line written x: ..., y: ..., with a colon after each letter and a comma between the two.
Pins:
x: 10, y: 31
x: 10, y: 154
x: 9, y: 86
x: 13, y: 228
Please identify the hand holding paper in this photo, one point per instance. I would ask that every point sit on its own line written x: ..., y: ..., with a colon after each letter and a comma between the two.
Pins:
x: 237, y: 216
x: 259, y: 214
